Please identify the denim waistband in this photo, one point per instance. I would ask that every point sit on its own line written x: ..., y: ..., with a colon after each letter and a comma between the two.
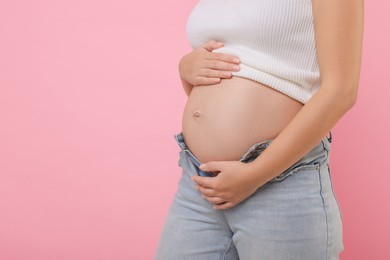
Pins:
x: 317, y: 155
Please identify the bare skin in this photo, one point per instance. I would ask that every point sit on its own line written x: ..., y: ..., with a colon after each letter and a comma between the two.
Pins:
x: 222, y: 120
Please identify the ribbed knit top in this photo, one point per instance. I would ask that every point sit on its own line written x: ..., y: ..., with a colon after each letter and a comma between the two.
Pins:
x: 274, y: 40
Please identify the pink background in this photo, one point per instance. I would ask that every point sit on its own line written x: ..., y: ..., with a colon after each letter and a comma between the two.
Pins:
x: 89, y: 101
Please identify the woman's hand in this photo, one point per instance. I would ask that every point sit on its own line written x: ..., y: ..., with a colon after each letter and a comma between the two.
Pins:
x: 234, y: 183
x: 203, y: 67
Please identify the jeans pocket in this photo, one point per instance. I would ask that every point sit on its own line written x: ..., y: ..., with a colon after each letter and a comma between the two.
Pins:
x: 292, y: 170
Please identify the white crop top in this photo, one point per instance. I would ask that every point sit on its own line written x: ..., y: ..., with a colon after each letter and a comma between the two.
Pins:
x: 274, y: 40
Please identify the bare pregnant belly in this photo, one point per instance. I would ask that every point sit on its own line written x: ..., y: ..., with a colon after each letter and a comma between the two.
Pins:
x: 221, y: 121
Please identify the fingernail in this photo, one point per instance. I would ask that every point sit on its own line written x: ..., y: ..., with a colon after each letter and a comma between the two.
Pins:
x: 201, y: 166
x: 236, y: 60
x: 220, y: 43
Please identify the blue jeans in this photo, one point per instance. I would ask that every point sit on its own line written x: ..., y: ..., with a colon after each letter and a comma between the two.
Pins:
x: 293, y: 216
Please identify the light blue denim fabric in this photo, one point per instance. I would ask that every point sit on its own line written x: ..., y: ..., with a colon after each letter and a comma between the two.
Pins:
x: 293, y: 216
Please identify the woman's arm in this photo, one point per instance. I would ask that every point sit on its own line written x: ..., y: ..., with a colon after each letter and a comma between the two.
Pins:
x: 339, y: 34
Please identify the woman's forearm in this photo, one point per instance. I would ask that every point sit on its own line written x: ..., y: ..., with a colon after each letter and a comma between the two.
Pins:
x: 339, y: 33
x: 303, y: 133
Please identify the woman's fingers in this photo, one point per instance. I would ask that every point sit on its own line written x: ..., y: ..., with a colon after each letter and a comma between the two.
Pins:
x: 210, y: 76
x: 220, y: 65
x: 214, y: 200
x: 210, y: 73
x: 206, y: 191
x: 226, y: 205
x: 223, y: 57
x: 201, y: 81
x: 212, y: 44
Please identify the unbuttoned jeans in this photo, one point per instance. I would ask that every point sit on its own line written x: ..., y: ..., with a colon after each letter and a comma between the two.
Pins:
x: 293, y: 216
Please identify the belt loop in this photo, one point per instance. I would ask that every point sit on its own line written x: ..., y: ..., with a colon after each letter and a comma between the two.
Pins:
x: 330, y: 136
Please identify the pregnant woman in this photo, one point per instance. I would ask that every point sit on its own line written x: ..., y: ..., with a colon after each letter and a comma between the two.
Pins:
x: 266, y: 81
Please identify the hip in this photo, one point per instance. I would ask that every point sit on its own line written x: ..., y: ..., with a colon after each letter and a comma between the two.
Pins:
x: 296, y: 214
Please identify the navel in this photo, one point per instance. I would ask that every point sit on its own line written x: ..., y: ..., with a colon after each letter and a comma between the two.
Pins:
x: 196, y: 114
